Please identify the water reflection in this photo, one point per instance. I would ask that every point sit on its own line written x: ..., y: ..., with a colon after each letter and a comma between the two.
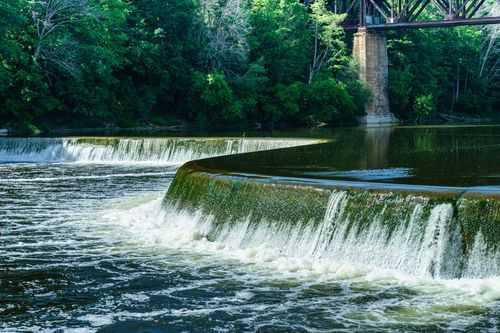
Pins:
x: 377, y: 146
x: 443, y: 156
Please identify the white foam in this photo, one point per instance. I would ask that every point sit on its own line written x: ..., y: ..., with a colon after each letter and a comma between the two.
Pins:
x: 133, y: 150
x: 140, y: 298
x: 411, y: 256
x: 96, y: 320
x: 66, y: 178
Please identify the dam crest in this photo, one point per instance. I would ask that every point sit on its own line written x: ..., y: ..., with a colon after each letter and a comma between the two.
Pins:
x: 343, y: 202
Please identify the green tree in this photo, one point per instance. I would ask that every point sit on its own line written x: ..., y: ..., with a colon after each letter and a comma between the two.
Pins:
x: 217, y: 104
x: 328, y: 101
x: 420, y: 63
x: 424, y: 107
x: 280, y: 39
x: 329, y: 46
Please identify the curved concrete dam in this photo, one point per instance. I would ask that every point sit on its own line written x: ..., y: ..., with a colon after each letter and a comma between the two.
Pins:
x: 342, y: 231
x: 424, y: 202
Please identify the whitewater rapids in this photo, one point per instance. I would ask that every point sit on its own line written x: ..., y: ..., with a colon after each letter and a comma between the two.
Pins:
x: 133, y: 150
x: 87, y: 244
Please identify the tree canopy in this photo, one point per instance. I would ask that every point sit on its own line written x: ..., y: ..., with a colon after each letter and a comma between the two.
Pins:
x: 219, y: 64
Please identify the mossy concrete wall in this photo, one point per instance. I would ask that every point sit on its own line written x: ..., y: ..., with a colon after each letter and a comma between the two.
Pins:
x: 229, y: 198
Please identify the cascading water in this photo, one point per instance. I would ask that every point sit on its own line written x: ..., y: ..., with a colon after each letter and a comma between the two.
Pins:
x: 422, y: 242
x: 119, y: 150
x: 97, y: 246
x: 64, y: 266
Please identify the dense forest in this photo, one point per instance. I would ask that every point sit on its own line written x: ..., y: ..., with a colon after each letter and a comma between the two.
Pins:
x: 220, y: 64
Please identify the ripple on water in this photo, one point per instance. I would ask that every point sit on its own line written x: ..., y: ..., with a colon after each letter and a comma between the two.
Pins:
x: 88, y: 249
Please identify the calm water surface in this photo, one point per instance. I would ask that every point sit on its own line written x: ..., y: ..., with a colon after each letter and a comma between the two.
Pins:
x: 86, y: 247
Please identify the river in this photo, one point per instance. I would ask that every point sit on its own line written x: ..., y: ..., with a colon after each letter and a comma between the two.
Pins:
x: 87, y: 246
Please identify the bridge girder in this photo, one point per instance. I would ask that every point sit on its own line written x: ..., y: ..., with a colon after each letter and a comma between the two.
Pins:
x: 404, y: 14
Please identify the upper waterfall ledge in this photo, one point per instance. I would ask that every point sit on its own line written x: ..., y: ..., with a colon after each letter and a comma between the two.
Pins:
x: 448, y: 231
x: 134, y: 150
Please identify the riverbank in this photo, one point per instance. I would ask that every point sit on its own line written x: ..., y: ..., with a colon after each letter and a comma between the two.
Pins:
x: 185, y: 128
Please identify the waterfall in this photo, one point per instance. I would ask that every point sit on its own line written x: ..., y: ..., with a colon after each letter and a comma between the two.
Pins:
x: 482, y: 262
x: 120, y: 150
x: 411, y: 234
x: 339, y: 241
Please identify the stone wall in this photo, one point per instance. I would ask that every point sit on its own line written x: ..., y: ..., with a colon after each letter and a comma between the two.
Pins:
x: 370, y: 53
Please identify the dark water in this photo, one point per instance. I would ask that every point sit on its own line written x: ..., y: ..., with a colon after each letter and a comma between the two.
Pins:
x: 431, y: 156
x: 86, y: 247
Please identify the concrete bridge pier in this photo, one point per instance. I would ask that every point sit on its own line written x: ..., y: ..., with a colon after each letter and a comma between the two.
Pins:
x: 370, y: 52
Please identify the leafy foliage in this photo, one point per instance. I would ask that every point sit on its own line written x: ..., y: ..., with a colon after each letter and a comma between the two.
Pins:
x: 218, y: 63
x: 439, y: 67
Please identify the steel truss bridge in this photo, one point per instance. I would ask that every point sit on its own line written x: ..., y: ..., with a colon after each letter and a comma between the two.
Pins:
x: 403, y: 14
x: 371, y: 18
